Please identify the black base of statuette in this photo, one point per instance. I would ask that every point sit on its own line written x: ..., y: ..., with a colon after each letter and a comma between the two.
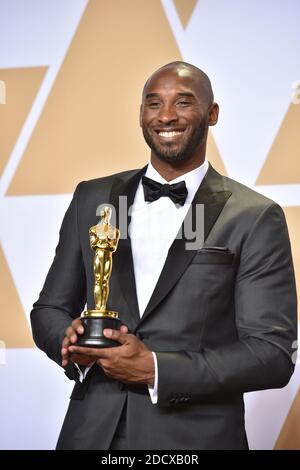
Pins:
x: 93, y: 331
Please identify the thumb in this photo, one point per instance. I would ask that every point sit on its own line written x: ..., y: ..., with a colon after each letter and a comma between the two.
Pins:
x: 115, y: 335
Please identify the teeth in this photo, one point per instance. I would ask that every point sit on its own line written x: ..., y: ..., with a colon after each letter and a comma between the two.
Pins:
x: 170, y: 134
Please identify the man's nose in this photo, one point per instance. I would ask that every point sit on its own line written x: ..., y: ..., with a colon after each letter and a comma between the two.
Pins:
x: 167, y: 114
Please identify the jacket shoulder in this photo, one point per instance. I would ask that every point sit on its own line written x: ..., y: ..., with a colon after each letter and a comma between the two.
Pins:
x: 107, y: 180
x: 103, y: 184
x: 244, y: 201
x: 246, y: 196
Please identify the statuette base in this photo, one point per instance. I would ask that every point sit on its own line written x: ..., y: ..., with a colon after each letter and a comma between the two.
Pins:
x: 94, y: 322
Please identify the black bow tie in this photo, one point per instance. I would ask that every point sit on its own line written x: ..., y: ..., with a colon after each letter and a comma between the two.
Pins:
x: 153, y: 190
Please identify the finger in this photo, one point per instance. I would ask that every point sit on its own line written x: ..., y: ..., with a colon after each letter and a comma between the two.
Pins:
x: 73, y: 338
x: 64, y: 353
x: 84, y: 351
x: 64, y: 362
x: 107, y: 353
x: 124, y: 329
x: 116, y: 335
x: 65, y: 356
x: 70, y: 333
x: 65, y: 342
x: 77, y: 326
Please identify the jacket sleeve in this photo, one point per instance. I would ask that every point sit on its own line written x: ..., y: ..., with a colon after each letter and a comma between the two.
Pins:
x: 64, y: 293
x: 265, y: 318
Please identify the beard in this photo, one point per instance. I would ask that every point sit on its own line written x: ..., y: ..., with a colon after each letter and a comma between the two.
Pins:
x: 178, y: 152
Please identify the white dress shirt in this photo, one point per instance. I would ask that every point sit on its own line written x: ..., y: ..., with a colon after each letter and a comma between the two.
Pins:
x: 153, y: 228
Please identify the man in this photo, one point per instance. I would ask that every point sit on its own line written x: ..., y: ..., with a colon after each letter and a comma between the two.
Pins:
x: 202, y: 324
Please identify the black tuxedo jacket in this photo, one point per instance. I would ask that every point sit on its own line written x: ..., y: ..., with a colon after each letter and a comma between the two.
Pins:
x: 222, y: 320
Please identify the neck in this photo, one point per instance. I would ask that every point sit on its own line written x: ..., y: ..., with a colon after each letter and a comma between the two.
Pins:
x: 171, y: 170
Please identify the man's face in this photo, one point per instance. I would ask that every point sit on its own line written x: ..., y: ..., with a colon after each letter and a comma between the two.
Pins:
x: 174, y: 115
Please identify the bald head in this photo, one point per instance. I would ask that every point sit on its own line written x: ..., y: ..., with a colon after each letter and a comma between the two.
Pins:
x: 183, y: 69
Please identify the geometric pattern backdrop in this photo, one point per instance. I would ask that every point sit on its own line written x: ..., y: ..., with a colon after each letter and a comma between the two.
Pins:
x: 73, y: 77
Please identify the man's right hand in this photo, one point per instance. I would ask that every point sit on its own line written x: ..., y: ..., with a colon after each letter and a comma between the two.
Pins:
x: 71, y: 338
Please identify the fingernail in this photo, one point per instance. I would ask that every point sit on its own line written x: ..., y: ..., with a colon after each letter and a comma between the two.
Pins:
x: 63, y: 351
x: 108, y: 332
x: 73, y: 338
x: 80, y: 329
x: 71, y: 349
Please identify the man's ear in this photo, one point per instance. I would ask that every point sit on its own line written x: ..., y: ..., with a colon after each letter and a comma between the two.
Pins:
x: 213, y: 114
x: 140, y: 119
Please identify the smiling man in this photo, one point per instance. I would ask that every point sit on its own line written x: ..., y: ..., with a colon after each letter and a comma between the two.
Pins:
x: 177, y: 109
x: 201, y: 326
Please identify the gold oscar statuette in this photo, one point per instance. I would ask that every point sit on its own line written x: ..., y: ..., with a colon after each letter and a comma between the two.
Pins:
x: 104, y: 241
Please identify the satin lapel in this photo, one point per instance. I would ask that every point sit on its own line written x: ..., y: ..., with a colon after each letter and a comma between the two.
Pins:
x: 122, y: 261
x: 210, y: 193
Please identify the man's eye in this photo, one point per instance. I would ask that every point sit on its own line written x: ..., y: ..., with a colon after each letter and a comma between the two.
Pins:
x: 154, y: 104
x: 183, y: 103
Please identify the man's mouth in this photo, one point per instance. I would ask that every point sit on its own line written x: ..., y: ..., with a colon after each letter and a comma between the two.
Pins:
x: 169, y: 134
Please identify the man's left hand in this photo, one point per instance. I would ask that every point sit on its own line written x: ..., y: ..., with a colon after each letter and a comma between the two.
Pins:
x: 131, y: 362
